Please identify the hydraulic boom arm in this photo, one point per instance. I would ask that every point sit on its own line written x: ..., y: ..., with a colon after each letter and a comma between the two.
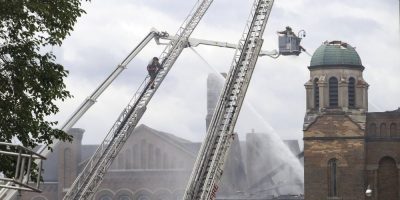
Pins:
x: 194, y: 42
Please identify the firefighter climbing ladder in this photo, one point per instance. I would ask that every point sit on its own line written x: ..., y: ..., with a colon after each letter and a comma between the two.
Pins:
x: 209, y: 165
x: 90, y: 178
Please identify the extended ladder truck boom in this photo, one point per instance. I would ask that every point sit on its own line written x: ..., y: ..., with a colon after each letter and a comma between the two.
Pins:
x: 194, y: 42
x: 92, y: 99
x: 137, y: 105
x: 91, y: 176
x: 208, y: 168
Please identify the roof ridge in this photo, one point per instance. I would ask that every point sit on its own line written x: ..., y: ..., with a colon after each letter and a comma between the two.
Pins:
x: 169, y: 139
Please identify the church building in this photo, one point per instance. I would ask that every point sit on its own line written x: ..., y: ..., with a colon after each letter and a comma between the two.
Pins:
x: 347, y: 150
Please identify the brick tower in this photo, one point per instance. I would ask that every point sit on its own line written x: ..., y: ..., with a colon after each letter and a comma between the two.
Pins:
x: 334, y: 125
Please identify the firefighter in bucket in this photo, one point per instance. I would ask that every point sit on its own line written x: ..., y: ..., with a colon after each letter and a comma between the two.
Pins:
x: 289, y: 42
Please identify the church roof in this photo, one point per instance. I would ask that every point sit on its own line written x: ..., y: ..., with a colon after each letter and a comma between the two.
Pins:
x: 336, y: 53
x: 184, y: 144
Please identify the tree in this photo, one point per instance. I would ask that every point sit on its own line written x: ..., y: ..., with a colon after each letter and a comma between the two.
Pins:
x: 30, y: 79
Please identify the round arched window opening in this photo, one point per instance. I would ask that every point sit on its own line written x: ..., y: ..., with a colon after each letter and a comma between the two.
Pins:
x: 352, y: 92
x: 383, y: 130
x: 333, y: 92
x: 393, y: 130
x: 316, y: 93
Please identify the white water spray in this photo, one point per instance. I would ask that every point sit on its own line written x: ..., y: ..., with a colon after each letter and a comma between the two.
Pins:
x: 282, y: 153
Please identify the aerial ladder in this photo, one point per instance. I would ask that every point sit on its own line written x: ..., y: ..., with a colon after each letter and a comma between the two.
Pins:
x: 153, y: 34
x: 44, y: 151
x: 158, y: 36
x: 91, y: 176
x: 208, y: 168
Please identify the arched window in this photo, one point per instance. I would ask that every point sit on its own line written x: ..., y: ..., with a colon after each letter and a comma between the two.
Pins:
x: 158, y: 158
x: 173, y: 161
x: 143, y: 195
x: 124, y: 194
x: 128, y: 162
x: 332, y: 174
x: 333, y: 92
x: 393, y: 130
x: 121, y: 160
x: 372, y: 130
x: 352, y: 92
x: 382, y: 130
x: 135, y: 156
x: 165, y: 161
x: 316, y: 93
x: 143, y: 150
x: 104, y: 194
x: 151, y: 157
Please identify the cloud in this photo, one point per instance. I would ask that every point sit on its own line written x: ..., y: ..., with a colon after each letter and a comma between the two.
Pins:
x: 108, y: 32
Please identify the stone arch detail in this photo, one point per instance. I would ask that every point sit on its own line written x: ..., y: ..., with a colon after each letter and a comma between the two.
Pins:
x: 340, y: 159
x: 104, y: 193
x: 143, y: 194
x: 124, y: 194
x: 383, y: 130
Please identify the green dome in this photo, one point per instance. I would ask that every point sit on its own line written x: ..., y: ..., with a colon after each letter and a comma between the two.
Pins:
x: 336, y: 53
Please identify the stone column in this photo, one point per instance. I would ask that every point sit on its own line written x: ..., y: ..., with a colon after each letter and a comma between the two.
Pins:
x: 362, y: 94
x: 343, y: 94
x: 309, y: 96
x: 365, y: 97
x: 323, y: 94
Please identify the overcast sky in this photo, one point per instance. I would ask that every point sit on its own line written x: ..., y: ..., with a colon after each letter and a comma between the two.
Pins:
x: 111, y: 29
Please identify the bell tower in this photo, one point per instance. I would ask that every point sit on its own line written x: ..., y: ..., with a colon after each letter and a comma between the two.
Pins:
x: 334, y: 124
